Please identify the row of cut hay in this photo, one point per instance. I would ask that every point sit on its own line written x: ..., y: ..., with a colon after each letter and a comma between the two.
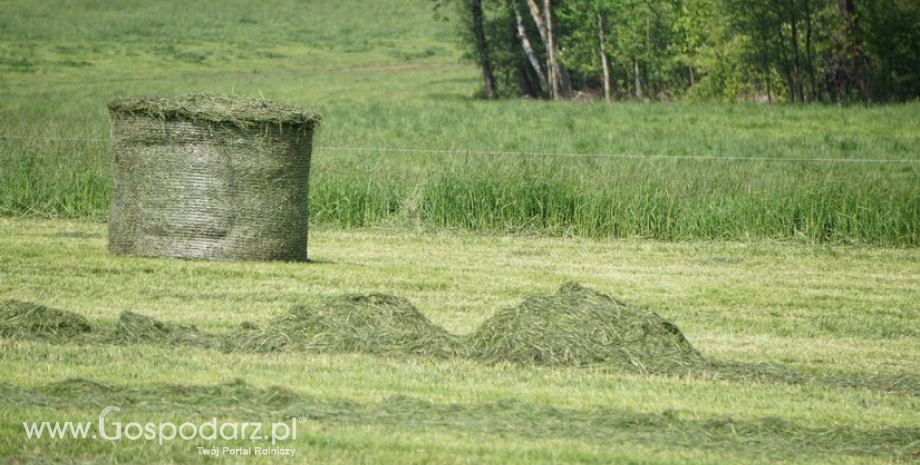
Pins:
x: 576, y: 326
x: 27, y: 320
x: 133, y: 328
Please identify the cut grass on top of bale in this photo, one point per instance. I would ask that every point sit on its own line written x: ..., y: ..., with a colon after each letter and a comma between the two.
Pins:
x: 208, y: 107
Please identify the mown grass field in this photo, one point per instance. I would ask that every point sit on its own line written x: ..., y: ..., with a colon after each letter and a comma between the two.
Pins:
x: 847, y: 312
x: 714, y: 216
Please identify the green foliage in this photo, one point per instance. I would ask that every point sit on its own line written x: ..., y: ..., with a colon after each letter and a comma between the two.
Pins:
x: 891, y: 31
x: 798, y: 50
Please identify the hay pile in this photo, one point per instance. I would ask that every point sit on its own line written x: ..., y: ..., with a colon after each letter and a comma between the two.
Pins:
x: 26, y: 320
x: 373, y: 324
x: 578, y: 326
x: 210, y: 176
x: 575, y: 327
x: 134, y: 328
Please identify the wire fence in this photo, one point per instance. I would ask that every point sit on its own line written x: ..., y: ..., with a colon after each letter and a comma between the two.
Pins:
x: 501, y: 153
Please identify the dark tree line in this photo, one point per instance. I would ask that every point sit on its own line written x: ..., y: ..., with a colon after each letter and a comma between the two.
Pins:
x: 766, y: 50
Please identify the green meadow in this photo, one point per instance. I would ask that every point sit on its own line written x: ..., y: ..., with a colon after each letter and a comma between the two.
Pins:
x: 781, y: 241
x: 405, y: 141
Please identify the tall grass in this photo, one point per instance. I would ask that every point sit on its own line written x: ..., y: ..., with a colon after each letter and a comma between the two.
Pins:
x: 697, y: 171
x: 50, y: 178
x: 661, y: 199
x: 668, y: 198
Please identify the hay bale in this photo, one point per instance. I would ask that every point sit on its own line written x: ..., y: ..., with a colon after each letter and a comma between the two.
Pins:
x: 134, y: 328
x: 27, y: 320
x: 581, y: 327
x: 372, y: 324
x: 210, y: 176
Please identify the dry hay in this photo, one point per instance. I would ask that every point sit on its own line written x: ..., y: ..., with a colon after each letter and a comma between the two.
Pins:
x: 578, y: 326
x: 251, y: 338
x: 26, y: 320
x: 373, y: 324
x: 574, y: 327
x: 218, y: 108
x: 133, y: 328
x: 210, y: 176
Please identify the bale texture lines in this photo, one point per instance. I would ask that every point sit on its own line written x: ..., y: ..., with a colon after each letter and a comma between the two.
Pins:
x: 210, y: 176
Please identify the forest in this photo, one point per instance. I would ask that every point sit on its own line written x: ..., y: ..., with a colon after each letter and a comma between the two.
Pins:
x: 721, y: 50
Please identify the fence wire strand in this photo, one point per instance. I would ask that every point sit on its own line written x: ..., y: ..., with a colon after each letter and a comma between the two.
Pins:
x: 500, y: 153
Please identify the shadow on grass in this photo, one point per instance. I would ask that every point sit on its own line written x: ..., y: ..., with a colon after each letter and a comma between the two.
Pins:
x: 768, y: 437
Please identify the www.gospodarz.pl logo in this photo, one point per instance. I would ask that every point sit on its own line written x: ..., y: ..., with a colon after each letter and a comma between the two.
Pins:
x: 168, y: 431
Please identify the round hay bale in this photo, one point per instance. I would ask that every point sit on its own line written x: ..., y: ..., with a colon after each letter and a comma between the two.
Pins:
x: 578, y: 326
x: 210, y: 176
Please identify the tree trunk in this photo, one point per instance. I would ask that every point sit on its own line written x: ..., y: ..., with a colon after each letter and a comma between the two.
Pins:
x: 796, y: 63
x: 854, y: 69
x: 543, y: 21
x: 636, y: 75
x: 555, y: 72
x: 541, y: 28
x: 483, y: 49
x: 809, y: 49
x: 604, y: 64
x: 525, y: 80
x: 648, y: 55
x: 689, y: 65
x: 787, y: 67
x: 528, y: 49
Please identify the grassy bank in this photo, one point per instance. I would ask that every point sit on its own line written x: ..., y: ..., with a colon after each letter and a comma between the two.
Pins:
x: 403, y: 134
